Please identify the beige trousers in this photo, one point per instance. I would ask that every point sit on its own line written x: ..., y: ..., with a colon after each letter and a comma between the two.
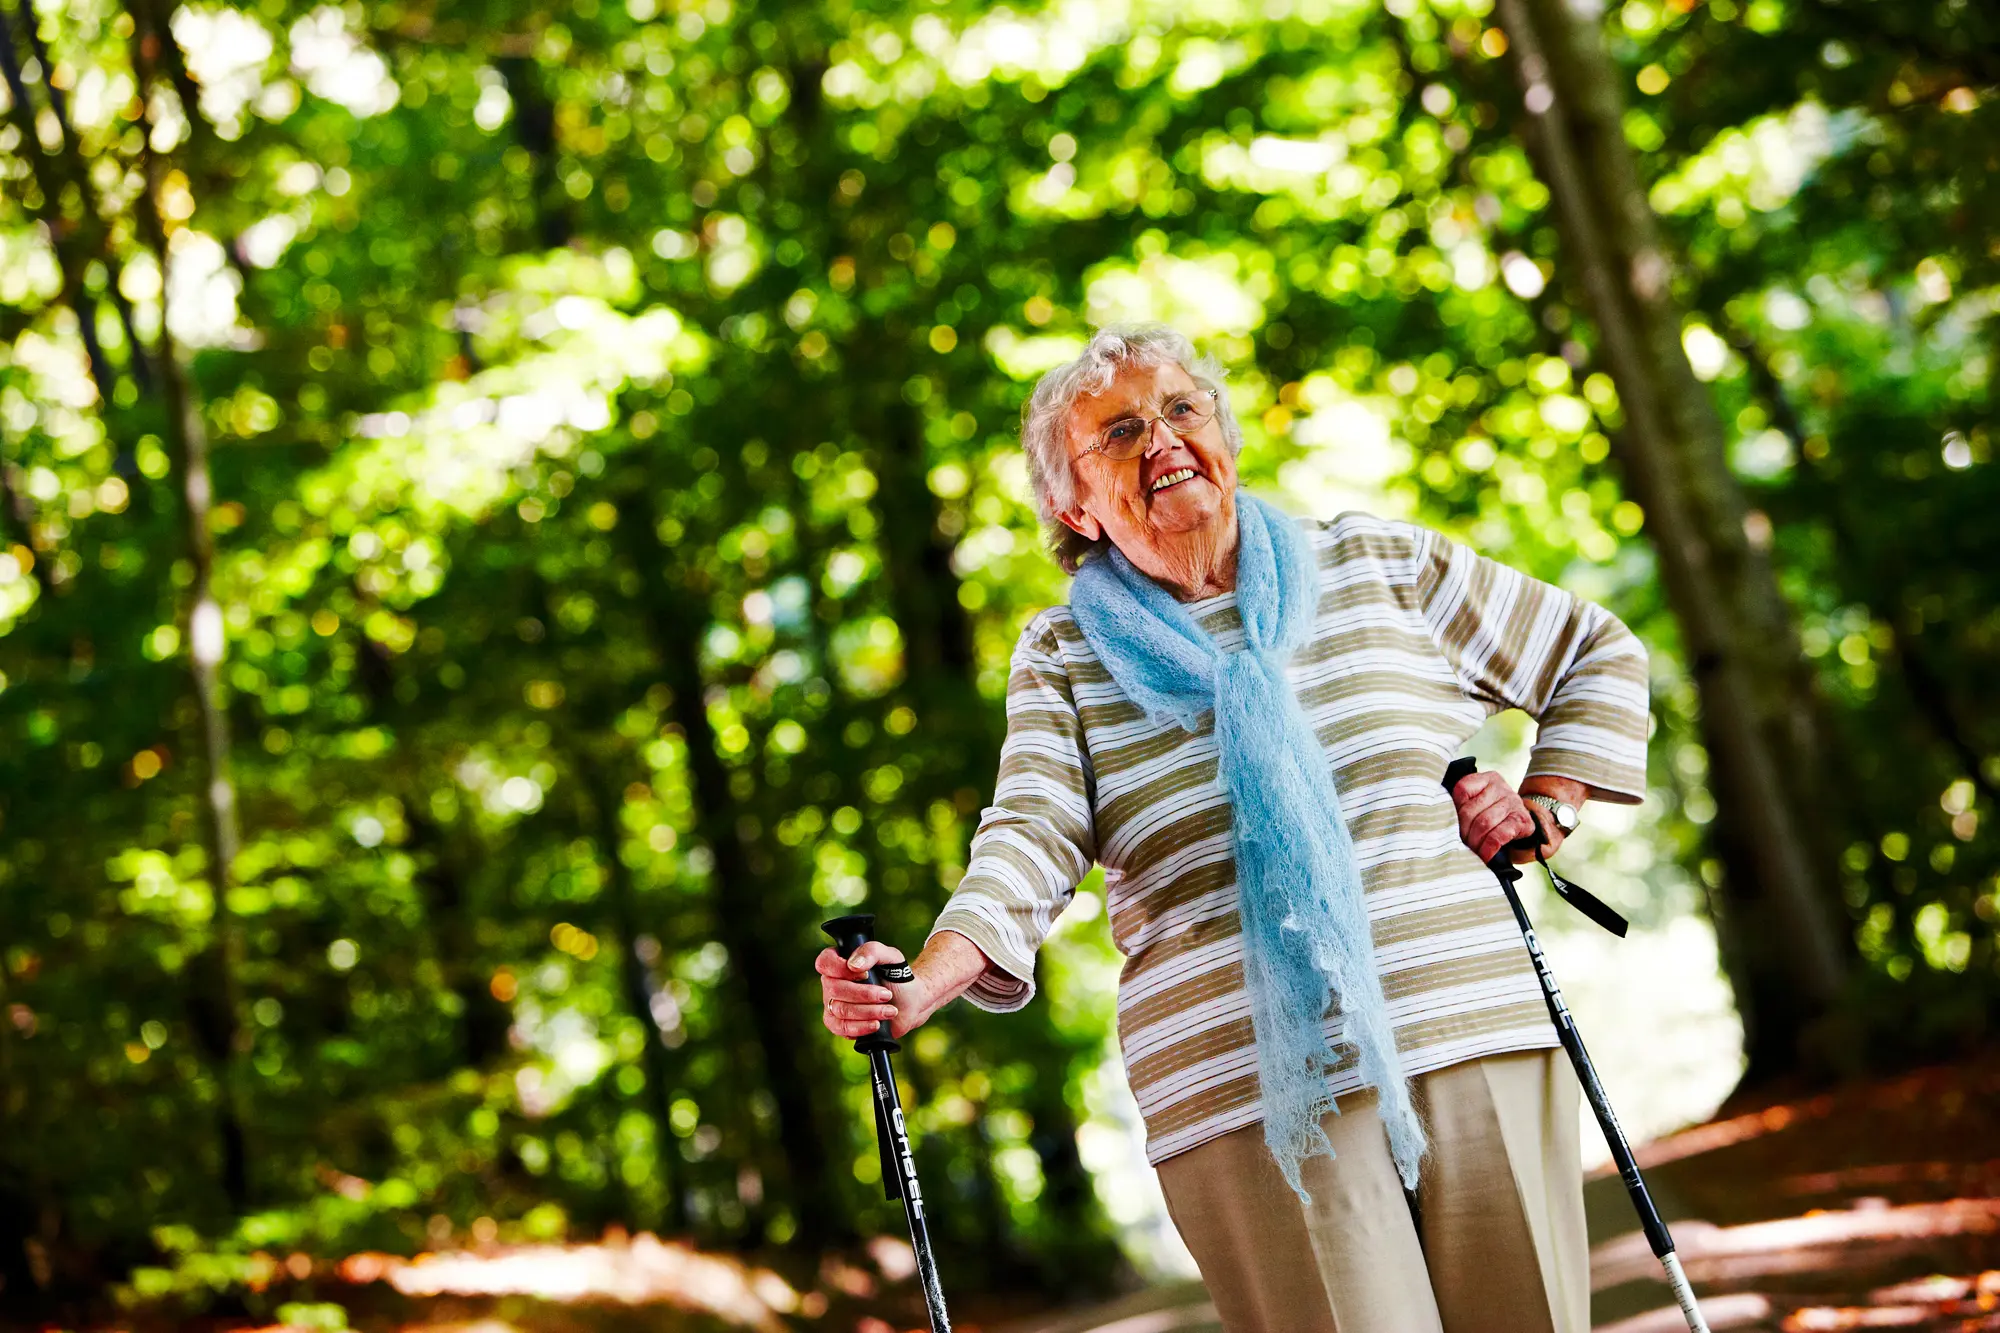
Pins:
x: 1500, y: 1247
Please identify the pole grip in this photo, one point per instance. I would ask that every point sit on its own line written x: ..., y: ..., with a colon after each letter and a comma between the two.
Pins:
x: 848, y: 934
x: 1502, y: 865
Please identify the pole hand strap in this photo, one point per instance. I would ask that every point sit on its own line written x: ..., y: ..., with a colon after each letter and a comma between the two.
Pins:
x: 1582, y: 899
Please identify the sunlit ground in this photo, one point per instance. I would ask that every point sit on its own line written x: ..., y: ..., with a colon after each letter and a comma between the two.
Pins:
x: 1874, y: 1206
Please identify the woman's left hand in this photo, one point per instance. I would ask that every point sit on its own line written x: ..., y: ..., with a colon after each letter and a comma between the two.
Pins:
x: 1491, y: 815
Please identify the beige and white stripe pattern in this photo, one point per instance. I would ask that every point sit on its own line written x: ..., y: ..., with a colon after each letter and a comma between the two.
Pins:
x: 1418, y: 640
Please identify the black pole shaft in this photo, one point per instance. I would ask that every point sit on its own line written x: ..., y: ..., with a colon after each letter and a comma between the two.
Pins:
x: 1657, y: 1235
x: 850, y: 933
x: 897, y: 1151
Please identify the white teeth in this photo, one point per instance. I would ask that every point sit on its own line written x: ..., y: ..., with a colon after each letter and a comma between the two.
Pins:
x: 1173, y: 478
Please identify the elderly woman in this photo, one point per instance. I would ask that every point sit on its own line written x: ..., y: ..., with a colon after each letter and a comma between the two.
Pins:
x: 1350, y: 1083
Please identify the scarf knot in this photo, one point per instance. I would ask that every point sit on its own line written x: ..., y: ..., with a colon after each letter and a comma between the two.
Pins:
x: 1306, y: 941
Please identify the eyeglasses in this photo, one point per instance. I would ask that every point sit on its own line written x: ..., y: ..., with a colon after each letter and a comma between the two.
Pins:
x: 1184, y: 414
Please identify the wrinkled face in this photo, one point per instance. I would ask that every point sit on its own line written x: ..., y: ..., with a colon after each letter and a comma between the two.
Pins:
x: 1177, y: 489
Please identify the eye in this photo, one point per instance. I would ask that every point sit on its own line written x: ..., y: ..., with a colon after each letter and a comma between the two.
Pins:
x: 1180, y: 409
x: 1121, y: 431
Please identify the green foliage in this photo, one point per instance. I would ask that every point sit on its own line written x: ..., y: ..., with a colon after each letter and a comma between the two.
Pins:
x: 1828, y: 171
x: 621, y: 540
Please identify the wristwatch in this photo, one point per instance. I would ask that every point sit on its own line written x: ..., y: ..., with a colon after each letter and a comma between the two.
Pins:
x: 1561, y: 811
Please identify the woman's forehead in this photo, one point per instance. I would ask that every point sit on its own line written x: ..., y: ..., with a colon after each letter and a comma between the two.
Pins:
x: 1133, y: 388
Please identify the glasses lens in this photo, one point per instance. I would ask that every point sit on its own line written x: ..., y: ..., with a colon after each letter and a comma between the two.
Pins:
x: 1187, y: 413
x: 1124, y: 439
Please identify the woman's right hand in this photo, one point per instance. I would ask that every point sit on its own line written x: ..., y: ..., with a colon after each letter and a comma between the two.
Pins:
x: 1491, y: 814
x: 852, y: 1005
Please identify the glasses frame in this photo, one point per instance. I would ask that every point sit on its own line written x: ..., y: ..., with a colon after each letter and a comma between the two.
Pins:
x: 1145, y: 436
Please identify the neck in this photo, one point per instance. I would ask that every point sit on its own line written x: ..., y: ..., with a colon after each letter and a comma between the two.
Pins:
x: 1193, y: 565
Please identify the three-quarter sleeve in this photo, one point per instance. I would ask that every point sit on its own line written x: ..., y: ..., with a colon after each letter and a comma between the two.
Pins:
x: 1037, y: 840
x: 1516, y: 642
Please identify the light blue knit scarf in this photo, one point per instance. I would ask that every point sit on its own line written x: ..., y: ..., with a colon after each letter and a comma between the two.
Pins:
x: 1306, y: 942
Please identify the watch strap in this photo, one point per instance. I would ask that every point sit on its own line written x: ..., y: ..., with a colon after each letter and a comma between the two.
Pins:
x: 1550, y: 803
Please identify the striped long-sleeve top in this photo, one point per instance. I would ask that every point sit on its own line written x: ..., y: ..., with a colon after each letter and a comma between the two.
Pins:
x: 1418, y: 641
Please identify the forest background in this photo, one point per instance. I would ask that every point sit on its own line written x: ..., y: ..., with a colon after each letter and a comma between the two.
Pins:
x: 509, y: 514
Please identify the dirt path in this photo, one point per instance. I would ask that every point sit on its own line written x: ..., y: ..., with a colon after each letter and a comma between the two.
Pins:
x: 1876, y: 1206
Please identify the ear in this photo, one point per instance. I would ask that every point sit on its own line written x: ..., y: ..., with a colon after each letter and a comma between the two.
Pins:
x: 1081, y: 523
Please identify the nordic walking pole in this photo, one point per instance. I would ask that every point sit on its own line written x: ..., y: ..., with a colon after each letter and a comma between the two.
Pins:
x: 1586, y: 1073
x: 899, y: 1168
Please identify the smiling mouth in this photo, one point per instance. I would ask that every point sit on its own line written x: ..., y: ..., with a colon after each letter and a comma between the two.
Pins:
x: 1174, y: 478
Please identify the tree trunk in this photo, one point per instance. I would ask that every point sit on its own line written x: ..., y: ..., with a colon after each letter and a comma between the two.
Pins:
x: 17, y: 1197
x: 155, y: 20
x: 1786, y: 943
x: 74, y: 240
x: 535, y: 128
x: 482, y: 1020
x: 937, y: 634
x: 214, y: 972
x: 750, y: 919
x: 206, y: 637
x: 635, y: 986
x: 50, y: 177
x: 942, y: 677
x: 207, y: 643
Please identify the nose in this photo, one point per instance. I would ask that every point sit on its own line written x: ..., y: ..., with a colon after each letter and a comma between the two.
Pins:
x: 1158, y: 437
